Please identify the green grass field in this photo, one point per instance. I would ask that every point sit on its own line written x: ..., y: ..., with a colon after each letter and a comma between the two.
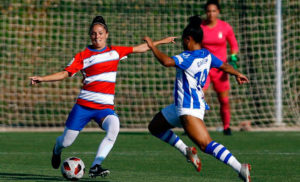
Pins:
x: 275, y: 156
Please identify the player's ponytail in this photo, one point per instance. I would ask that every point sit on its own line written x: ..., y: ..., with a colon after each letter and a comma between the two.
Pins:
x: 195, y: 21
x: 100, y: 21
x: 194, y: 29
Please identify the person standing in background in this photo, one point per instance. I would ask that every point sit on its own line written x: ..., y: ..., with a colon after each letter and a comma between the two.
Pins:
x: 216, y: 35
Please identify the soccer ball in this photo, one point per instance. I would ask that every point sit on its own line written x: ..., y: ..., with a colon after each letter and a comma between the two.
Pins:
x: 72, y: 168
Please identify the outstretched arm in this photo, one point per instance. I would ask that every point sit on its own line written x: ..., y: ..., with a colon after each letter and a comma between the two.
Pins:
x: 161, y: 57
x: 240, y: 78
x: 49, y: 78
x: 144, y: 47
x: 233, y: 58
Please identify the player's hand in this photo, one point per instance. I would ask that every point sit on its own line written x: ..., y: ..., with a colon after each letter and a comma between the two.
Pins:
x: 35, y: 80
x: 241, y: 79
x: 149, y: 41
x: 168, y: 40
x: 233, y: 59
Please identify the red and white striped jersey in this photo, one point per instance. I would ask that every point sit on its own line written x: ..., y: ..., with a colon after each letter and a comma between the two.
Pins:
x: 99, y: 69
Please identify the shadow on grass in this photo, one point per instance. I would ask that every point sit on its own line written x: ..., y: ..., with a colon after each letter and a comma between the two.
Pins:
x: 36, y: 177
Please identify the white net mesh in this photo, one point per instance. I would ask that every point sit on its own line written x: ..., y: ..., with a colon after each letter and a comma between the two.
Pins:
x: 40, y: 37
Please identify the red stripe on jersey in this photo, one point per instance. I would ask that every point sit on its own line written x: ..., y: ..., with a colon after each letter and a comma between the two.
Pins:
x: 99, y: 86
x: 94, y: 105
x: 109, y: 66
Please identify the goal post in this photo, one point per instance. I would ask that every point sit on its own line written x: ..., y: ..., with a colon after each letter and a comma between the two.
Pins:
x: 41, y: 37
x: 278, y: 106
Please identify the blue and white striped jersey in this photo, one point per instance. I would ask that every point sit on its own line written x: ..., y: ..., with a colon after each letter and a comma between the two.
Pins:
x: 192, y: 68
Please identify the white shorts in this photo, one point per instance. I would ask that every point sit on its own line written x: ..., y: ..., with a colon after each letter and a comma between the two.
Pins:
x: 172, y: 114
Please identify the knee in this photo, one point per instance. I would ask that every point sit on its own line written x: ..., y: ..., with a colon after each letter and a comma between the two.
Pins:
x: 224, y: 100
x: 65, y: 141
x: 67, y: 138
x: 113, y: 127
x: 152, y: 127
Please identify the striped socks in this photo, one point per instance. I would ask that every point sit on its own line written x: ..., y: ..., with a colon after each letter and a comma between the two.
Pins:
x: 221, y: 153
x: 170, y: 137
x: 213, y: 148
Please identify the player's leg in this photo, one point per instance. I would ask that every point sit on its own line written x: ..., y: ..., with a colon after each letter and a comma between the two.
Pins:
x: 198, y: 133
x: 223, y: 98
x: 63, y: 141
x: 161, y: 126
x: 196, y: 130
x: 222, y: 86
x: 78, y: 118
x: 111, y: 125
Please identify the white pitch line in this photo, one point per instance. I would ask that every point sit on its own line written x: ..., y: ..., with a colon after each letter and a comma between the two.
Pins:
x: 137, y: 153
x: 268, y: 153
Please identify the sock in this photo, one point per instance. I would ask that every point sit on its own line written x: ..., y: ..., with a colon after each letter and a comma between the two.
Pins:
x: 170, y: 137
x: 111, y: 125
x: 221, y: 153
x: 65, y: 140
x: 225, y: 111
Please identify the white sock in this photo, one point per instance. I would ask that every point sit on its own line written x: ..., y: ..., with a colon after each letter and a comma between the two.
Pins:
x: 111, y: 125
x: 235, y: 164
x: 65, y: 140
x: 170, y: 137
x: 181, y: 147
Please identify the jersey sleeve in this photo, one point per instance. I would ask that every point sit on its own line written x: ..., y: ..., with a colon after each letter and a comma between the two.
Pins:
x: 123, y: 51
x: 75, y: 65
x: 215, y: 62
x: 231, y: 39
x: 182, y: 60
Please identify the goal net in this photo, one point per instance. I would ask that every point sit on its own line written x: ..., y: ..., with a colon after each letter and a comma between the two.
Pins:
x: 40, y: 37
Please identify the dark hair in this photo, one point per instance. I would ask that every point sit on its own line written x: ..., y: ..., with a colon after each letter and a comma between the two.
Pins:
x: 194, y: 29
x: 214, y: 2
x: 98, y: 20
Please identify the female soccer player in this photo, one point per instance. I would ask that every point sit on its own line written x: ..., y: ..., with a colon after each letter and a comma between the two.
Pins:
x: 216, y: 35
x: 192, y: 68
x: 98, y: 64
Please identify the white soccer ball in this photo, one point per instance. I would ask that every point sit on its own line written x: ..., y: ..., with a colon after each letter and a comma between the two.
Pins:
x: 73, y: 168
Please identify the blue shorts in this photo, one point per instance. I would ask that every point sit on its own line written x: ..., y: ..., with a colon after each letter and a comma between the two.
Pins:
x: 80, y: 116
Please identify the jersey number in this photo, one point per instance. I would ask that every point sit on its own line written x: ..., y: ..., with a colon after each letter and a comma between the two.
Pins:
x: 201, y: 77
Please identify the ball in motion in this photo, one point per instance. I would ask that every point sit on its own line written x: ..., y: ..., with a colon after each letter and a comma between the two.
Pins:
x: 73, y: 168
